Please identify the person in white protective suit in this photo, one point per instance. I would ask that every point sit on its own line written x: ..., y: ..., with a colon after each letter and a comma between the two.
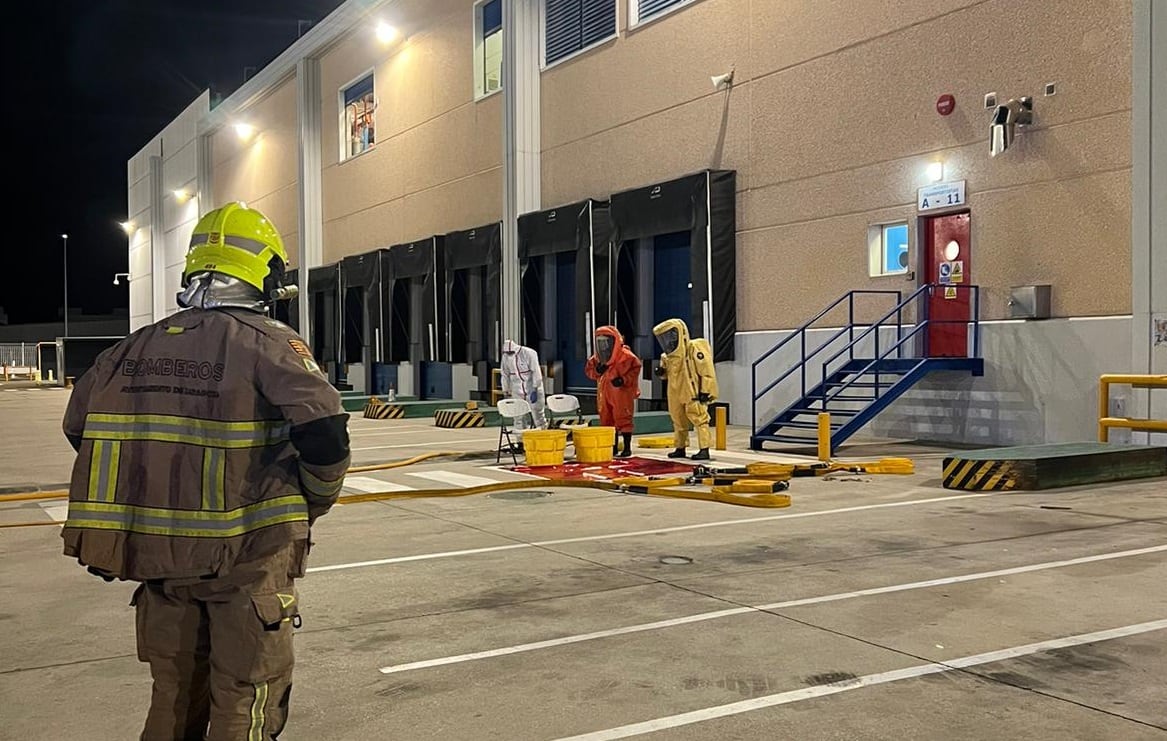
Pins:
x: 522, y: 379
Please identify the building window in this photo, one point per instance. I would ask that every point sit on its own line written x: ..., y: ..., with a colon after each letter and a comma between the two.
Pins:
x: 358, y: 109
x: 888, y: 249
x: 570, y: 26
x: 487, y: 47
x: 644, y: 10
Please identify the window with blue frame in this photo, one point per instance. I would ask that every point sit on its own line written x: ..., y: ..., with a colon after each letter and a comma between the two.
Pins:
x: 570, y: 26
x: 357, y: 121
x: 643, y: 10
x: 488, y: 47
x: 888, y: 249
x: 895, y: 248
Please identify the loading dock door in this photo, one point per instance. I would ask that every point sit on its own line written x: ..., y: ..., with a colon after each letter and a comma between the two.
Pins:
x: 671, y: 278
x: 946, y: 264
x: 700, y: 207
x: 564, y: 253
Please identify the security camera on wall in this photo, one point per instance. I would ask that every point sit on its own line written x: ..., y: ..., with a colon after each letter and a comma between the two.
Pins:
x: 1006, y: 118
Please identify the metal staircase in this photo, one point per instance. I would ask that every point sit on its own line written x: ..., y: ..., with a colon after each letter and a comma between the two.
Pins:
x: 855, y: 372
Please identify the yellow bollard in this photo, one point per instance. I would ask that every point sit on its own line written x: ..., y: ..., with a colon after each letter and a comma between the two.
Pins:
x: 824, y: 436
x: 720, y: 417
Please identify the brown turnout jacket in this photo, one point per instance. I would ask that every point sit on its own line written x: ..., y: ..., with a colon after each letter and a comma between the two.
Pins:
x: 207, y: 439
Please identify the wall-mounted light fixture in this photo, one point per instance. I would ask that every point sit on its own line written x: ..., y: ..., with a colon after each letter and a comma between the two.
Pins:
x: 935, y: 171
x: 244, y: 131
x: 182, y: 195
x: 118, y: 276
x: 386, y: 34
x: 128, y: 226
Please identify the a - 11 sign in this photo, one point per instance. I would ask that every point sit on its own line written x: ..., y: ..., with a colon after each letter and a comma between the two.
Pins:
x: 941, y: 195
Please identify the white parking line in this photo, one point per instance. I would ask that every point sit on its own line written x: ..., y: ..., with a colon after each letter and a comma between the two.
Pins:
x: 638, y: 533
x: 58, y: 512
x: 704, y: 616
x: 395, y: 431
x: 371, y: 485
x: 432, y: 444
x: 807, y: 693
x: 454, y: 479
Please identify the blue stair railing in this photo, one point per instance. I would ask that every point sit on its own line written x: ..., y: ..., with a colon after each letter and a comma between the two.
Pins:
x: 880, y: 350
x: 800, y: 335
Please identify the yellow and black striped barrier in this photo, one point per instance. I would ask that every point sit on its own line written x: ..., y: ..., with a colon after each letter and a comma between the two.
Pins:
x: 980, y: 475
x: 377, y: 409
x: 457, y: 419
x: 1052, y: 466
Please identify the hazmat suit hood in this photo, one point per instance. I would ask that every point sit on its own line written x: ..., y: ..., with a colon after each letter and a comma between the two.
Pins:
x: 609, y: 342
x: 672, y: 334
x: 510, y: 347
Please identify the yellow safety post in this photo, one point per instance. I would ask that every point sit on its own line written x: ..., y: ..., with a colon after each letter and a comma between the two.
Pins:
x: 824, y: 436
x: 1105, y: 421
x: 720, y: 416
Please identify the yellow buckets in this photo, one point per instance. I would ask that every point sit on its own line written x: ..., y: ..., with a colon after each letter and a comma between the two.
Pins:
x: 545, y: 447
x: 593, y: 444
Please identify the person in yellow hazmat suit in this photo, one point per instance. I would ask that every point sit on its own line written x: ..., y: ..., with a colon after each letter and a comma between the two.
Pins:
x: 687, y: 365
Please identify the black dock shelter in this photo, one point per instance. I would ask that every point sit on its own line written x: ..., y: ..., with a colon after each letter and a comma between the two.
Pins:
x: 473, y: 262
x: 564, y: 255
x: 413, y: 280
x: 363, y: 314
x: 324, y: 311
x: 675, y: 256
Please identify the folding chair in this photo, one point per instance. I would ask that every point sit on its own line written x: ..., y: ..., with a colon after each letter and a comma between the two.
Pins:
x: 509, y: 410
x: 565, y: 405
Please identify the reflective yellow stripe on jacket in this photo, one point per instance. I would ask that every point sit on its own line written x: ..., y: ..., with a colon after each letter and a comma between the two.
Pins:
x: 186, y: 430
x: 187, y: 523
x: 315, y: 486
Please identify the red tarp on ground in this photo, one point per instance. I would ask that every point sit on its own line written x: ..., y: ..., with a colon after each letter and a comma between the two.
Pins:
x: 617, y: 468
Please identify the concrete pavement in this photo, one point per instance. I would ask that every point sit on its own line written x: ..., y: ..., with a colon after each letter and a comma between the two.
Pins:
x: 875, y: 607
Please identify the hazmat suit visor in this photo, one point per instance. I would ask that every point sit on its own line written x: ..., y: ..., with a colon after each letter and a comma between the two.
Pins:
x: 669, y: 340
x: 605, y: 344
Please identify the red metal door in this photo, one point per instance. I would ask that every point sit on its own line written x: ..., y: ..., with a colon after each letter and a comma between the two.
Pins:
x: 946, y: 267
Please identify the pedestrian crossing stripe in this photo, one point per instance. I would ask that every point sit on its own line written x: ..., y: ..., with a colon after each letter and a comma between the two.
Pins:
x: 377, y: 409
x: 459, y: 418
x: 980, y: 475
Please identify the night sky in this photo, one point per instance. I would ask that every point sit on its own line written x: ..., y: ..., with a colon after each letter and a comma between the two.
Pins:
x: 87, y: 85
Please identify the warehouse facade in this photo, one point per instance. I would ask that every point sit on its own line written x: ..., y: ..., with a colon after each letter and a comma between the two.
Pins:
x: 740, y: 164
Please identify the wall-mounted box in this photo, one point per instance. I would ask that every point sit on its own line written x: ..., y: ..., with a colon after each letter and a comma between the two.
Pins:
x: 1029, y: 302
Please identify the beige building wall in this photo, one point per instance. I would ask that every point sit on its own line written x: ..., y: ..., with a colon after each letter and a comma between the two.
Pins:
x: 436, y: 166
x: 831, y: 125
x: 161, y: 236
x: 263, y: 170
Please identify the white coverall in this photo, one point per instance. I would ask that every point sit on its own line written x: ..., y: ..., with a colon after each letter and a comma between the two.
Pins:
x: 522, y: 379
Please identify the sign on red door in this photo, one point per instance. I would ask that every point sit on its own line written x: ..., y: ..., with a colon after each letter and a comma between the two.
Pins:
x: 947, y: 268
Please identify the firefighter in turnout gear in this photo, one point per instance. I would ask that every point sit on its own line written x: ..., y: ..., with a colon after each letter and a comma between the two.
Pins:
x: 207, y: 445
x: 616, y: 371
x: 687, y: 364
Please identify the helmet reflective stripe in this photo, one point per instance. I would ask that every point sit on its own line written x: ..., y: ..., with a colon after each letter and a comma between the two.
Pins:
x: 254, y: 246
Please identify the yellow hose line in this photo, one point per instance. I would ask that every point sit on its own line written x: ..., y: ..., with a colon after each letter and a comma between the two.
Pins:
x: 760, y: 469
x: 636, y: 487
x: 399, y: 464
x: 33, y: 496
x: 648, y: 487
